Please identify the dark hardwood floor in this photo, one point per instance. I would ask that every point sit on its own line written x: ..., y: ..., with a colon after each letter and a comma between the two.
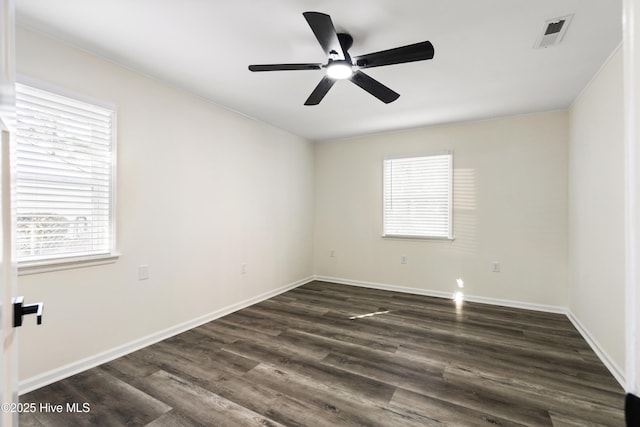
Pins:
x: 334, y: 355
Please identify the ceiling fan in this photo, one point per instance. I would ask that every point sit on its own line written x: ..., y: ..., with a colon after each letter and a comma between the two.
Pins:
x: 341, y: 65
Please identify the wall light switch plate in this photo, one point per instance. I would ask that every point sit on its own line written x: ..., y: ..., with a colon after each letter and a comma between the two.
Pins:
x: 143, y: 272
x: 495, y: 267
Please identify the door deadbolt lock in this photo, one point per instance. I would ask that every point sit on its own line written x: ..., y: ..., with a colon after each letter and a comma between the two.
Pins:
x: 20, y: 310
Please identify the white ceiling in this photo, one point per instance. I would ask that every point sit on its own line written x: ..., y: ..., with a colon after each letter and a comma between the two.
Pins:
x: 484, y: 65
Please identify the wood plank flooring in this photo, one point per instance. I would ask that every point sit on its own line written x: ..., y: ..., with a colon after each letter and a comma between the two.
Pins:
x: 332, y: 355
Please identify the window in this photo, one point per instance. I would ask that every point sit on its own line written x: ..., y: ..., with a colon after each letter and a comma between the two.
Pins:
x: 64, y: 178
x: 417, y: 196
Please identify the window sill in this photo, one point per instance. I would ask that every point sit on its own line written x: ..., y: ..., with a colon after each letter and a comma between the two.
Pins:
x: 401, y: 237
x: 45, y: 266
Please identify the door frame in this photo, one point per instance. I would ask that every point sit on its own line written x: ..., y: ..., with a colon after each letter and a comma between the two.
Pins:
x: 8, y: 270
x: 631, y: 43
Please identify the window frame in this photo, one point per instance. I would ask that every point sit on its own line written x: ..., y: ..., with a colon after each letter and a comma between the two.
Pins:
x: 450, y: 235
x: 55, y: 263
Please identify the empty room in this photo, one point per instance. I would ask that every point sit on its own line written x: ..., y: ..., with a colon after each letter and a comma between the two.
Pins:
x: 309, y: 213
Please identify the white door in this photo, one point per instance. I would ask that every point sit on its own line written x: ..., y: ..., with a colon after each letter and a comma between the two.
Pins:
x: 8, y: 351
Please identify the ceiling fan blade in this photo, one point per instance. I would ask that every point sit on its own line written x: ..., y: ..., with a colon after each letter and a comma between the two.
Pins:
x: 374, y: 87
x: 282, y: 67
x: 320, y: 91
x: 399, y: 55
x: 322, y: 26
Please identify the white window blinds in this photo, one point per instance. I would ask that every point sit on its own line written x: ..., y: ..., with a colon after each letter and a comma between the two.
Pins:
x: 417, y: 196
x: 64, y: 177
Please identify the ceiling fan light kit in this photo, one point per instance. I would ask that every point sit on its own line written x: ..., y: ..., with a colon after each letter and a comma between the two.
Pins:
x: 341, y: 66
x: 339, y: 70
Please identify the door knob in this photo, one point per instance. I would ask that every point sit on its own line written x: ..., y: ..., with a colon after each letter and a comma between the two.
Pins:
x: 20, y: 309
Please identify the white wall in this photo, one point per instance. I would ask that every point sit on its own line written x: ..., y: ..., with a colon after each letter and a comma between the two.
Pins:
x: 596, y: 211
x: 201, y: 190
x: 510, y: 206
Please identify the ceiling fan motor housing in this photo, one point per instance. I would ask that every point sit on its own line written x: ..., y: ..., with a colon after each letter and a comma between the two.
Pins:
x: 346, y: 41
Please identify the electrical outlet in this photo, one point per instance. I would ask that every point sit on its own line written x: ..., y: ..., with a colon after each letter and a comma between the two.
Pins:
x: 403, y: 259
x: 495, y: 267
x: 143, y: 272
x: 243, y: 268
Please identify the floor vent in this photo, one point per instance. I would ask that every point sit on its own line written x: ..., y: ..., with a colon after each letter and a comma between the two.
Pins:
x: 553, y: 31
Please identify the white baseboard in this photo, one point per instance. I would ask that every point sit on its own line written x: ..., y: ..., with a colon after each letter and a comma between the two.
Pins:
x: 517, y: 304
x: 76, y: 367
x: 597, y: 349
x: 448, y: 295
x: 593, y: 343
x: 384, y: 287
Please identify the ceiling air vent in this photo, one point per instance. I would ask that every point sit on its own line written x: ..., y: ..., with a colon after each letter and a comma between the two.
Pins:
x: 553, y: 31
